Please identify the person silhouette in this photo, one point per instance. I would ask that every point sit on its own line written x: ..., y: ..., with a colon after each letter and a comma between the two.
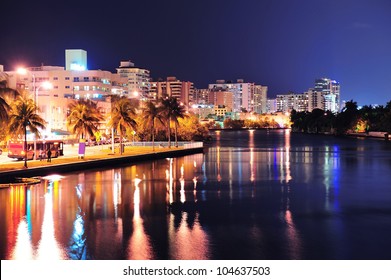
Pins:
x: 49, y: 153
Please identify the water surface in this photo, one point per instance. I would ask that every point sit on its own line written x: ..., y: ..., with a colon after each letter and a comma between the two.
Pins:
x: 252, y: 195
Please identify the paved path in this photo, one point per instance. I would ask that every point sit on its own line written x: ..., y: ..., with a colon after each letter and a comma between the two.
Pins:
x: 71, y: 156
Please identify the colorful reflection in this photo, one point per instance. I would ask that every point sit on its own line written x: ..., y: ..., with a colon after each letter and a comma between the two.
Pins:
x: 271, y: 195
x: 48, y: 248
x: 35, y: 237
x: 23, y: 249
x: 140, y: 247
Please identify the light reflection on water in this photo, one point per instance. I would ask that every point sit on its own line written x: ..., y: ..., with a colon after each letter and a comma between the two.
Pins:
x: 253, y: 195
x: 139, y: 244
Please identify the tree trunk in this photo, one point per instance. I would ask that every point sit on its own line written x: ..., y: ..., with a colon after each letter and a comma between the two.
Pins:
x: 176, y: 135
x: 25, y: 146
x: 153, y: 136
x: 169, y: 132
x: 120, y: 142
x: 112, y: 140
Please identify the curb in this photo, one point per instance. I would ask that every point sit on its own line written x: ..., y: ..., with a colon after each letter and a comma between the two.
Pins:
x: 96, y: 163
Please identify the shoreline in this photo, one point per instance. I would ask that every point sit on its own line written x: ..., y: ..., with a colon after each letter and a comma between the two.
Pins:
x: 371, y: 135
x: 89, y: 162
x: 254, y: 128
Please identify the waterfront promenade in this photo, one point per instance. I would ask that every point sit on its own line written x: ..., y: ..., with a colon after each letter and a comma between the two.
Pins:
x: 95, y: 157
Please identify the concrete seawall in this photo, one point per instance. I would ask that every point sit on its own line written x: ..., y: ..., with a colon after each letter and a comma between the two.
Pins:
x: 106, y: 161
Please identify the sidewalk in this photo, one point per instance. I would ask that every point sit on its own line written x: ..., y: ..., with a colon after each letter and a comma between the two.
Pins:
x: 90, y: 155
x: 98, y: 159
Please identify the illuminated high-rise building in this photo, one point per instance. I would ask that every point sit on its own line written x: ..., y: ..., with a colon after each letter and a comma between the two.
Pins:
x: 139, y: 81
x: 260, y: 99
x: 182, y: 90
x: 243, y: 94
x: 330, y: 92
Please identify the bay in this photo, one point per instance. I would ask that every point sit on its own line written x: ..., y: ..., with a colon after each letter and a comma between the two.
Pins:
x: 258, y: 194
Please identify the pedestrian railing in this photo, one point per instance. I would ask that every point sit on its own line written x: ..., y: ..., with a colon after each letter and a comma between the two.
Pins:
x: 186, y: 145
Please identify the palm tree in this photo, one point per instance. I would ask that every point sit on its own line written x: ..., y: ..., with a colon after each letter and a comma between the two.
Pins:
x: 122, y: 117
x: 172, y: 111
x: 84, y: 118
x: 22, y: 116
x: 6, y: 95
x: 151, y: 112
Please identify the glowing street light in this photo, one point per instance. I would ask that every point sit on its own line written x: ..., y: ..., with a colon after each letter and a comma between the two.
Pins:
x: 45, y: 85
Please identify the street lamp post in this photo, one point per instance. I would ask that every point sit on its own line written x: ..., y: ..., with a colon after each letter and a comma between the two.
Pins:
x: 46, y: 85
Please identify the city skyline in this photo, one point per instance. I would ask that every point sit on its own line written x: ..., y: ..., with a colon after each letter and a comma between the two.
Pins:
x: 279, y: 44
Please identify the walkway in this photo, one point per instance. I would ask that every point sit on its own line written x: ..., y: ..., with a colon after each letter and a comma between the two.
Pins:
x: 94, y: 158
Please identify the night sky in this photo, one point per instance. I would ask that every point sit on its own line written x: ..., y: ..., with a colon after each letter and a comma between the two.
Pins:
x: 283, y: 44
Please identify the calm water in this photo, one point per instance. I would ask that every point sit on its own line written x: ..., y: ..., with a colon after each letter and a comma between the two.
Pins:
x: 252, y: 195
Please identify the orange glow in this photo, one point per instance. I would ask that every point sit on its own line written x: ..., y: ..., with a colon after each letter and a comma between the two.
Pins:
x: 48, y: 248
x: 21, y: 71
x: 22, y: 250
x: 139, y: 244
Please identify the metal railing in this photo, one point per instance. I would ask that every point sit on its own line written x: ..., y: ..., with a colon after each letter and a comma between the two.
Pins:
x: 164, y: 144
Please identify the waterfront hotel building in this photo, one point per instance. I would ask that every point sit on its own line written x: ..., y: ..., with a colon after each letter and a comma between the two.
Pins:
x: 74, y: 82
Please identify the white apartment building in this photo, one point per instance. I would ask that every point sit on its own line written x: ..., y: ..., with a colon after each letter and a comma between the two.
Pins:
x: 271, y: 105
x: 260, y: 99
x: 246, y: 96
x: 288, y: 102
x: 67, y: 85
x: 138, y: 80
x: 243, y: 93
x: 315, y: 100
x: 285, y: 102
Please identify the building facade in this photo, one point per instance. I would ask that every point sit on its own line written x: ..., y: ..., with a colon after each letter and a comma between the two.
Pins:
x: 67, y: 85
x: 330, y: 91
x: 138, y: 80
x: 201, y: 96
x: 242, y: 93
x: 260, y: 99
x: 76, y: 60
x: 271, y: 105
x: 219, y: 97
x: 325, y: 96
x: 182, y: 90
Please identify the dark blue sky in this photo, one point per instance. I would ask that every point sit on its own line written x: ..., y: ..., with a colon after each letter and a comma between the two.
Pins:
x: 284, y: 44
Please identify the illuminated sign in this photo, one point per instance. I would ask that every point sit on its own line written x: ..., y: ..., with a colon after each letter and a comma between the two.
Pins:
x: 77, y: 67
